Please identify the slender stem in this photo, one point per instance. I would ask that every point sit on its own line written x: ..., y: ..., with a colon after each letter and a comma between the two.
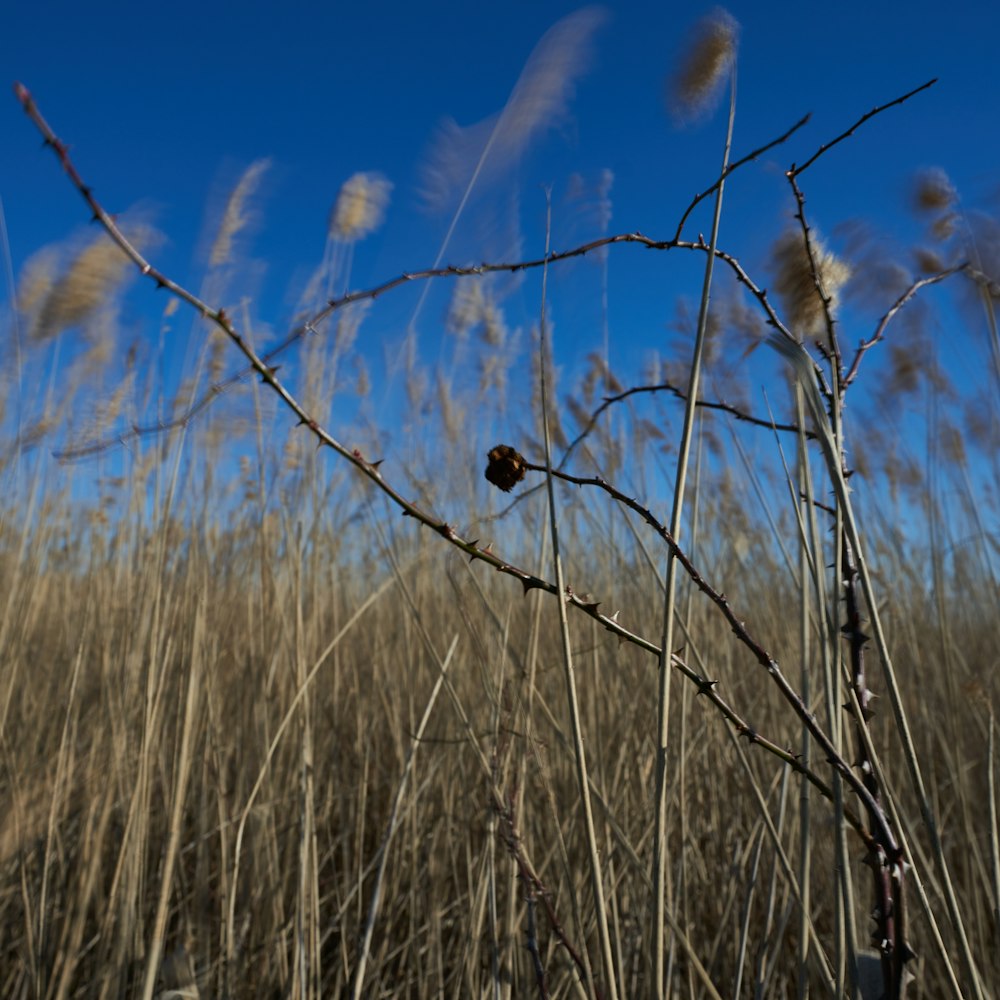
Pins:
x: 669, y: 602
x: 579, y: 752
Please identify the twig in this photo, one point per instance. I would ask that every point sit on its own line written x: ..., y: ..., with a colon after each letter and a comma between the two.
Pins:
x: 879, y: 333
x: 706, y: 404
x: 735, y: 166
x: 795, y: 171
x: 263, y: 364
x: 471, y: 548
x: 744, y: 635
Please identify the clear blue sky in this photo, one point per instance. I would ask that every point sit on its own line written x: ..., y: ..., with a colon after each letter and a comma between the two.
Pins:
x: 163, y: 106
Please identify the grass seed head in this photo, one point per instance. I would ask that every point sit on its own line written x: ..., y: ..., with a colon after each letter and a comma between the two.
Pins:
x: 89, y: 280
x: 360, y: 207
x: 710, y: 52
x: 933, y: 191
x: 236, y: 216
x: 796, y: 286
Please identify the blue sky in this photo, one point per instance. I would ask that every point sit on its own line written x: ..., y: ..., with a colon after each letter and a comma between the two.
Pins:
x: 164, y: 107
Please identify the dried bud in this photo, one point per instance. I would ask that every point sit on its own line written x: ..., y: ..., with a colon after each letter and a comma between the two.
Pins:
x: 506, y: 467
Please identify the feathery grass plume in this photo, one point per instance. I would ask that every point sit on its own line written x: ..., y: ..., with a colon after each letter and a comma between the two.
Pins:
x: 794, y: 282
x: 360, y: 207
x: 37, y: 278
x: 362, y: 380
x: 927, y: 261
x: 474, y: 307
x: 90, y: 278
x: 466, y: 307
x: 710, y: 51
x: 481, y: 153
x: 236, y: 216
x: 592, y: 198
x: 933, y: 191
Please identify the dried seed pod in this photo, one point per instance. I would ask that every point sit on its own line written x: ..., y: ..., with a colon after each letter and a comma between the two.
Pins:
x: 506, y: 467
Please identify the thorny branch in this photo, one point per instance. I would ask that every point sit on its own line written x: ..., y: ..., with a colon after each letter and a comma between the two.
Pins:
x: 372, y: 293
x: 312, y: 326
x: 878, y: 109
x: 885, y: 853
x: 674, y: 390
x: 764, y: 658
x: 370, y: 470
x: 698, y: 198
x: 879, y: 333
x: 886, y: 857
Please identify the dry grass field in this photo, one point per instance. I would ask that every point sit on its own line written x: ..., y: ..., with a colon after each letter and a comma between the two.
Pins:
x: 280, y: 721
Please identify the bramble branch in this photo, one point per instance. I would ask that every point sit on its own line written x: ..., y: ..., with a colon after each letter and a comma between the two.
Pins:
x: 472, y: 548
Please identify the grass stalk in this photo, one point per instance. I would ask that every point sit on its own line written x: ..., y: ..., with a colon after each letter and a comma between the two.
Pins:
x: 358, y: 977
x: 579, y: 751
x: 659, y: 878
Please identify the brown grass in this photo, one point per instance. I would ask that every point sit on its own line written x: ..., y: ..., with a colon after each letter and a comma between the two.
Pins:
x: 217, y: 659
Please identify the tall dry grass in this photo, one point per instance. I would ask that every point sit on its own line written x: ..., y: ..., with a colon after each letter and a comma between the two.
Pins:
x: 264, y: 737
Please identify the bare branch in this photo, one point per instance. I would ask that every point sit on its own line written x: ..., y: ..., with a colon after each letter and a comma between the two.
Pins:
x: 681, y: 395
x: 795, y: 171
x: 735, y: 166
x: 879, y: 333
x: 471, y: 548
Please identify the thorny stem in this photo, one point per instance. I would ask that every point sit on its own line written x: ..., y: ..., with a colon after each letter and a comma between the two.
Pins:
x: 471, y: 547
x: 680, y: 394
x: 879, y: 333
x: 370, y: 294
x: 764, y: 658
x: 796, y: 170
x: 261, y: 365
x: 312, y: 326
x: 832, y: 348
x: 535, y: 890
x: 734, y: 166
